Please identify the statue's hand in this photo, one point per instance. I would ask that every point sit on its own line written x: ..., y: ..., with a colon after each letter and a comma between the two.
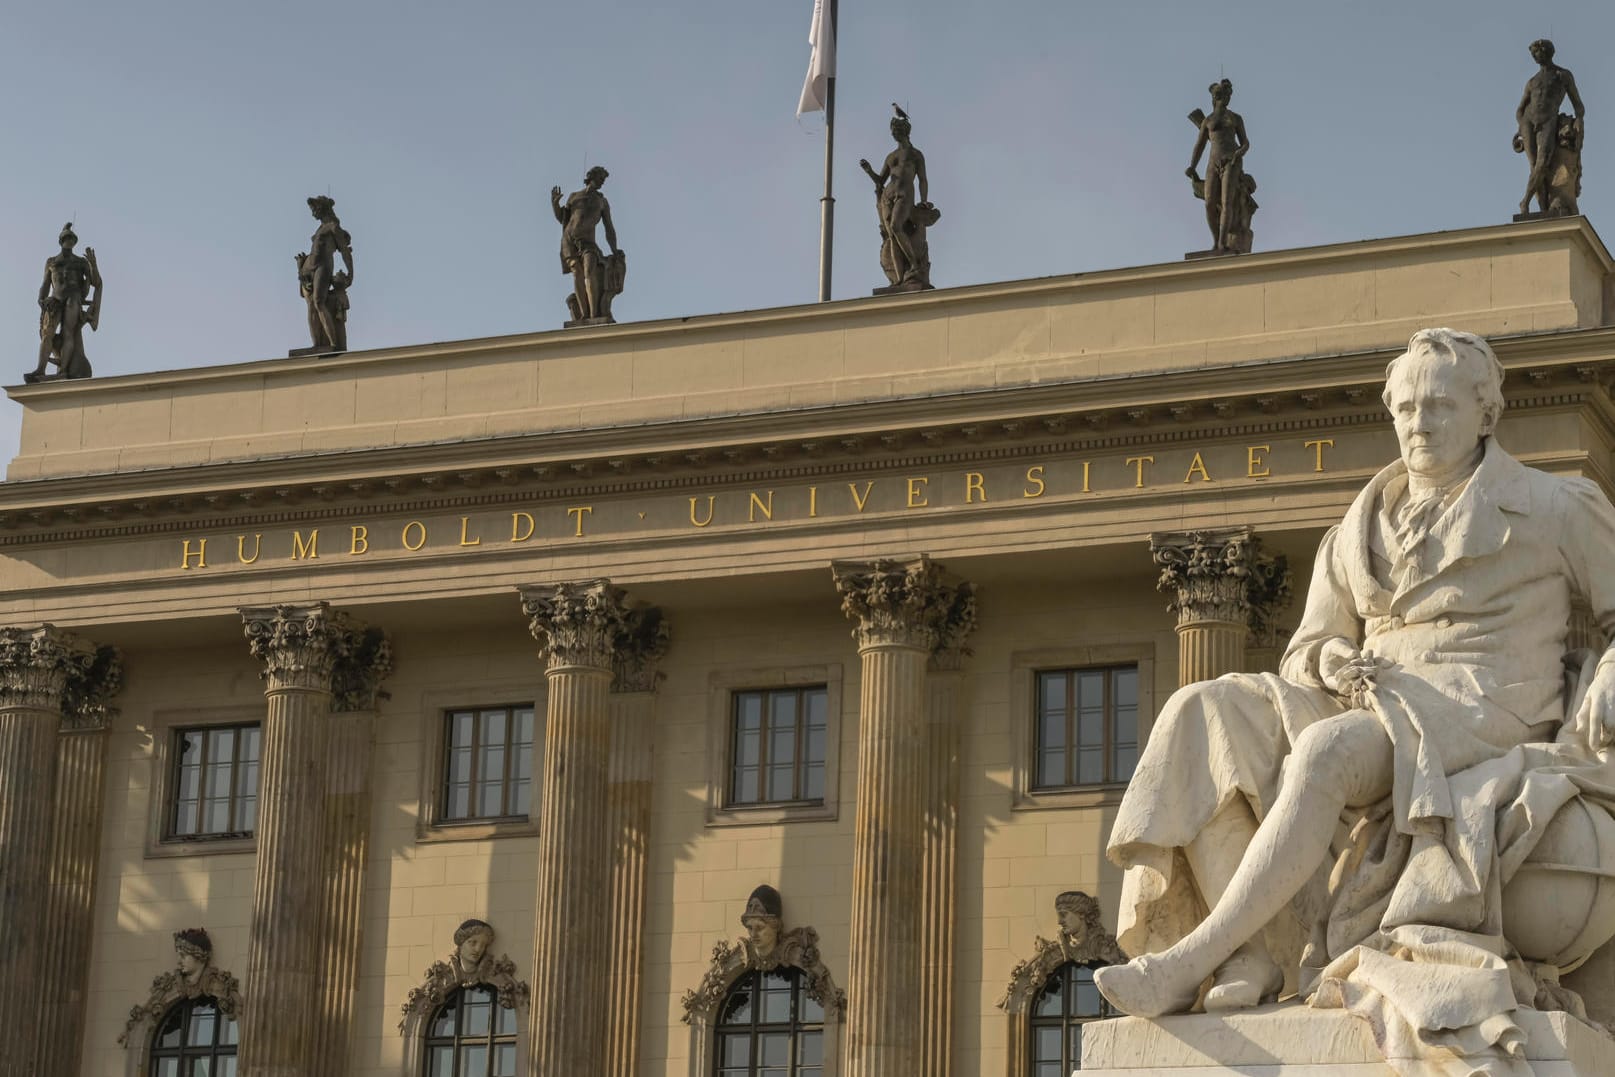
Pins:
x: 1191, y: 173
x: 555, y: 194
x: 1596, y: 717
x: 1350, y: 674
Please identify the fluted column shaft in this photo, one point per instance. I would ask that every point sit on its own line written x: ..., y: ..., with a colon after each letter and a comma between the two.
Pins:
x: 347, y: 839
x: 942, y: 687
x: 1226, y: 593
x: 628, y: 802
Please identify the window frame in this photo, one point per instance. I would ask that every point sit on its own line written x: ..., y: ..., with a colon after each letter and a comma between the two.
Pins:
x: 1066, y: 1020
x: 799, y: 762
x: 1072, y: 743
x: 723, y: 687
x: 793, y: 1028
x: 162, y: 804
x: 493, y: 1038
x: 507, y: 779
x: 1025, y: 667
x: 435, y: 705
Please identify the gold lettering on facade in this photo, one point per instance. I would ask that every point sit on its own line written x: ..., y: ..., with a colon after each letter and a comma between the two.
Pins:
x: 1318, y: 447
x: 1199, y: 465
x: 306, y: 550
x: 916, y: 493
x: 517, y: 519
x: 1256, y: 464
x: 241, y: 547
x: 757, y: 505
x: 864, y: 500
x: 361, y: 540
x: 577, y: 515
x: 974, y: 484
x: 200, y: 553
x: 1139, y: 462
x: 1034, y: 474
x: 465, y: 538
x: 711, y: 499
x: 1085, y: 487
x: 420, y: 529
x: 813, y: 501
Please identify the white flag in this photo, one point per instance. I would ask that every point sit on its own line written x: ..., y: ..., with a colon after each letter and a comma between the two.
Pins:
x: 822, y: 65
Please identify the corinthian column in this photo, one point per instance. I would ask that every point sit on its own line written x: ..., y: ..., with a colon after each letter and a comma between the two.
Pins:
x: 902, y: 611
x: 36, y: 667
x: 1226, y: 593
x: 584, y: 631
x: 302, y: 648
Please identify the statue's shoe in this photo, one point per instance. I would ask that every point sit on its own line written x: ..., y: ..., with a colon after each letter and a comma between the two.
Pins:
x: 1247, y: 979
x: 1146, y: 987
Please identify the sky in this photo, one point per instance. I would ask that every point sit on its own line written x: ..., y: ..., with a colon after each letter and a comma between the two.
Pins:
x: 183, y: 137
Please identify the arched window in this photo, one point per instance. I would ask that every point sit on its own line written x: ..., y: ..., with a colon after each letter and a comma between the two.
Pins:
x: 195, y: 1039
x: 471, y: 1035
x: 1067, y: 1001
x: 770, y: 1026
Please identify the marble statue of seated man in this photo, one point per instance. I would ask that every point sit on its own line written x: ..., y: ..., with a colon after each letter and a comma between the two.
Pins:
x: 1425, y: 788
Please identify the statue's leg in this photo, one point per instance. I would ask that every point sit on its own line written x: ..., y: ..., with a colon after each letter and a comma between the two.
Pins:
x: 1541, y: 167
x: 594, y: 283
x: 1343, y: 761
x: 1250, y: 975
x: 1213, y: 193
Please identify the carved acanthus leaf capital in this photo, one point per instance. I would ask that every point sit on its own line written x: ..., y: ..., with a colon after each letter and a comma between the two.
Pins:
x: 356, y: 680
x: 797, y: 948
x: 591, y: 624
x: 640, y: 650
x: 38, y: 666
x: 318, y: 648
x: 908, y: 603
x: 1221, y: 575
x: 87, y: 701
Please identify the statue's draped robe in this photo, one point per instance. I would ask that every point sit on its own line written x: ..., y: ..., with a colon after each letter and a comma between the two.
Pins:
x: 1470, y: 598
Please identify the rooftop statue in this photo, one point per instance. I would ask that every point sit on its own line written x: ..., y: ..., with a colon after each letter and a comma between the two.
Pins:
x: 1550, y: 140
x: 325, y: 291
x: 1431, y: 695
x: 596, y: 279
x: 904, y: 253
x: 69, y: 299
x: 1227, y: 189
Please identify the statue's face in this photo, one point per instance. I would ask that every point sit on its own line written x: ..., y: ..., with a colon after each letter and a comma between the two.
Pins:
x: 1071, y: 924
x: 472, y: 949
x: 190, y: 966
x: 1541, y: 52
x: 764, y: 935
x: 1438, y: 415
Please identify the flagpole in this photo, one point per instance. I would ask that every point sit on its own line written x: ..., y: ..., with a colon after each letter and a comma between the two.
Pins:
x: 827, y: 204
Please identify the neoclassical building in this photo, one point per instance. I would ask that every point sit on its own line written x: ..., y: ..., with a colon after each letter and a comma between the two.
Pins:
x: 732, y: 695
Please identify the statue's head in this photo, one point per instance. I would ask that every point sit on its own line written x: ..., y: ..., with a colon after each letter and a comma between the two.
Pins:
x: 595, y: 178
x: 902, y: 127
x: 67, y: 237
x: 1445, y: 394
x: 471, y: 942
x: 1078, y: 914
x: 1221, y: 92
x: 1542, y: 51
x: 763, y: 918
x: 322, y: 206
x: 194, y: 950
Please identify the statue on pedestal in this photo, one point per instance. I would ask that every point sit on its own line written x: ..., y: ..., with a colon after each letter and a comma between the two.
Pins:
x: 324, y: 291
x: 69, y: 299
x: 596, y: 279
x: 1426, y: 787
x: 904, y: 253
x: 1227, y: 189
x: 1550, y: 141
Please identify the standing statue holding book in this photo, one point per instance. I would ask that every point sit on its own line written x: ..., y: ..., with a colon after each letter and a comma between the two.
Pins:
x: 1227, y: 189
x: 904, y: 253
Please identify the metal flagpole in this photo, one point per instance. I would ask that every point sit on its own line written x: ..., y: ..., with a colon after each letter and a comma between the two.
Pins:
x: 827, y: 204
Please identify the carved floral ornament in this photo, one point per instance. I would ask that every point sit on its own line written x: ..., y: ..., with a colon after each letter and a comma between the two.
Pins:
x: 910, y: 603
x: 591, y: 624
x: 194, y: 977
x: 766, y: 947
x: 1082, y: 939
x: 49, y: 669
x: 315, y: 647
x: 1224, y: 576
x: 471, y: 964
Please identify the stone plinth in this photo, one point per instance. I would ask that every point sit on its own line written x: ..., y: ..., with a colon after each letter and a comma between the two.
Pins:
x: 1288, y: 1039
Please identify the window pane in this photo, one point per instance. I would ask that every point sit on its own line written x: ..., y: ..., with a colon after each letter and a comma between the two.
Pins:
x: 250, y: 736
x: 229, y: 1033
x: 227, y: 1066
x: 813, y: 782
x: 504, y: 1021
x: 1051, y: 767
x: 1051, y: 730
x: 1086, y: 1000
x: 1076, y: 1046
x: 774, y: 1049
x: 736, y: 1049
x: 1047, y: 1003
x: 171, y: 1034
x: 521, y: 799
x: 474, y: 1016
x: 737, y: 1007
x: 493, y: 726
x: 1090, y: 766
x: 460, y: 729
x: 474, y: 1060
x: 201, y: 1067
x: 810, y: 1049
x: 441, y: 1062
x: 1046, y: 1044
x: 168, y: 1067
x: 811, y: 1012
x: 200, y: 1034
x: 749, y: 711
x: 816, y: 702
x: 504, y: 1060
x: 746, y: 785
x: 776, y: 999
x: 443, y: 1023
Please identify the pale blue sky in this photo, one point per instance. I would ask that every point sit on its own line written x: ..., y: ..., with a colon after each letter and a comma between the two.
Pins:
x: 182, y: 138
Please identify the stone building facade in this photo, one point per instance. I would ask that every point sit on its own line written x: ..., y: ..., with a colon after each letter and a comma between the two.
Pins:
x: 455, y: 704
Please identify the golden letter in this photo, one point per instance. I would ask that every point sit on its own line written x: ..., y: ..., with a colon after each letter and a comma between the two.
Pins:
x: 516, y: 520
x: 418, y: 543
x: 1035, y: 474
x: 1139, y: 462
x: 361, y: 540
x: 1254, y: 461
x: 1318, y: 447
x: 1198, y: 465
x: 916, y: 489
x: 702, y: 523
x: 973, y: 486
x: 577, y: 515
x: 759, y: 505
x: 1085, y: 489
x: 241, y: 548
x: 813, y: 501
x: 200, y: 553
x: 466, y: 540
x: 306, y: 550
x: 861, y: 501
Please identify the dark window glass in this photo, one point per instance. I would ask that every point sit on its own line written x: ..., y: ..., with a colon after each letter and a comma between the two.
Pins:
x: 471, y: 1035
x: 215, y: 782
x: 194, y: 1039
x: 1087, y: 726
x: 778, y: 747
x: 768, y: 1026
x: 1068, y: 1001
x: 487, y: 763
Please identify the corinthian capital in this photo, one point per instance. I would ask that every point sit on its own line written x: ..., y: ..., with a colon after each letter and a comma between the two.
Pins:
x: 1222, y: 575
x: 908, y: 603
x: 37, y: 666
x: 87, y: 702
x: 303, y: 646
x: 592, y: 624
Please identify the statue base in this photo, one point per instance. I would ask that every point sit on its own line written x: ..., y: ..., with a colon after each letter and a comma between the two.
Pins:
x: 1291, y: 1038
x: 575, y: 322
x: 1195, y: 256
x: 298, y: 353
x: 1540, y: 215
x: 903, y: 288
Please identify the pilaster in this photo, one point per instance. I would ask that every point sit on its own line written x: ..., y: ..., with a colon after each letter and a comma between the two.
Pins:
x: 904, y: 612
x: 1226, y: 592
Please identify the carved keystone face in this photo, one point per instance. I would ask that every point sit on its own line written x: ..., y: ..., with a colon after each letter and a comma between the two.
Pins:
x: 1072, y: 925
x: 1439, y: 419
x: 473, y: 948
x: 764, y: 932
x: 190, y: 966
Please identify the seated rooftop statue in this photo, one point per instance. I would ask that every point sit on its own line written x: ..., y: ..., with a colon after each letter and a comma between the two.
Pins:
x: 1426, y: 787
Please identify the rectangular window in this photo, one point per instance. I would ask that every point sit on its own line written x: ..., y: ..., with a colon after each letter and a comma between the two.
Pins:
x: 215, y: 782
x: 488, y: 763
x: 778, y: 746
x: 1087, y: 726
